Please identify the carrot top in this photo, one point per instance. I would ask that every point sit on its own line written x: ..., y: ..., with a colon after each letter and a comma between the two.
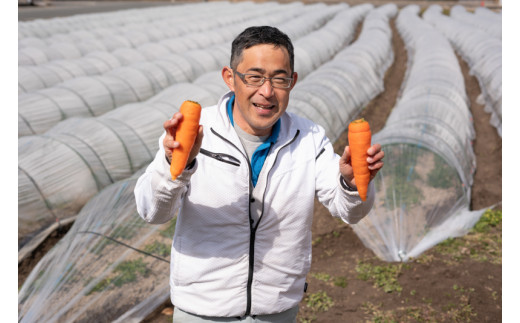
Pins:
x: 359, y: 125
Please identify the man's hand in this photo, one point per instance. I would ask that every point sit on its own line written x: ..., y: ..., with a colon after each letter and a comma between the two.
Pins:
x: 374, y: 159
x: 169, y: 143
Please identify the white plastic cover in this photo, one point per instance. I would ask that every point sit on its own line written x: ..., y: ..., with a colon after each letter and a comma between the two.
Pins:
x: 423, y: 191
x: 483, y: 18
x: 101, y: 81
x: 335, y: 92
x: 93, y: 274
x: 479, y: 49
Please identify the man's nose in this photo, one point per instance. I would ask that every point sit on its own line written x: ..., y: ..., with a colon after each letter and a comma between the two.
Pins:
x: 266, y: 89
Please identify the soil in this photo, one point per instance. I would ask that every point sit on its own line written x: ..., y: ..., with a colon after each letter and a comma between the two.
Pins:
x: 435, y: 287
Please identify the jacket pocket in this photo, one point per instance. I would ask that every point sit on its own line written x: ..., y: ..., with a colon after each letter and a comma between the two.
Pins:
x: 225, y: 158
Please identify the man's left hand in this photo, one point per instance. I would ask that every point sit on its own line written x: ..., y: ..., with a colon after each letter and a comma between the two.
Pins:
x: 374, y: 159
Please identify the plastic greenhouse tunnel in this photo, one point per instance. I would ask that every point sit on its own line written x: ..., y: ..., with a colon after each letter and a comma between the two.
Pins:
x: 423, y: 191
x: 480, y: 49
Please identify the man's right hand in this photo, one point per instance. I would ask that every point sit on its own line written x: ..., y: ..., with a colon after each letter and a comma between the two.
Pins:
x: 169, y: 143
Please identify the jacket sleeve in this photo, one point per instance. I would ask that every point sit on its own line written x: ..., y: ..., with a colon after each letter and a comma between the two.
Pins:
x: 340, y: 201
x: 157, y: 196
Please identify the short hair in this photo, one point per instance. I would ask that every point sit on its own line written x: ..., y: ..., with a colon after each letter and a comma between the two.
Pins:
x: 258, y: 35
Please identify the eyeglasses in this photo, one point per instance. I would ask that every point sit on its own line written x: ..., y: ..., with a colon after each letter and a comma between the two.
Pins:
x: 257, y: 80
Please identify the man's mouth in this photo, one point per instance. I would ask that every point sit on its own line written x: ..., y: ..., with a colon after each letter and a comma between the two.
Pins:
x: 264, y: 107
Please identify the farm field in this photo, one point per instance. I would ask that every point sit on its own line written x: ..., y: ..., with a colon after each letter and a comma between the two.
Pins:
x: 457, y: 281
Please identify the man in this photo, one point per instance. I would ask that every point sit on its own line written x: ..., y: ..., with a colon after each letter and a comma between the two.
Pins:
x: 242, y: 245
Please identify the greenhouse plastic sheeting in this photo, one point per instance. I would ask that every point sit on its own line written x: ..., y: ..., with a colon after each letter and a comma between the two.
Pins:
x: 319, y: 46
x: 93, y: 274
x: 483, y: 18
x: 423, y: 191
x: 335, y: 92
x: 159, y: 46
x: 481, y: 51
x: 59, y: 171
x: 130, y: 74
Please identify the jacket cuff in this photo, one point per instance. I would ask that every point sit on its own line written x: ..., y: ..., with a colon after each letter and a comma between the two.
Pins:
x: 186, y: 173
x: 345, y: 185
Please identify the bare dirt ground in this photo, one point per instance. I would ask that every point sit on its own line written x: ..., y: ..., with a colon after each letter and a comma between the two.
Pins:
x: 459, y: 281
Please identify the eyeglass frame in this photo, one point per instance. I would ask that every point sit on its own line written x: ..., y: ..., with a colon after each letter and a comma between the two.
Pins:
x: 243, y: 75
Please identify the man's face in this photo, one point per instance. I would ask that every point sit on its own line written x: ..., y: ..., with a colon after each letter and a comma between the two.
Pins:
x: 257, y: 109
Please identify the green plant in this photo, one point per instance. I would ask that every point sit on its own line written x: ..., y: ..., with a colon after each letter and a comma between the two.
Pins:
x: 442, y: 175
x: 316, y: 241
x: 119, y: 232
x: 125, y: 272
x: 158, y: 248
x: 450, y: 246
x: 377, y: 314
x: 402, y: 175
x: 321, y: 276
x: 340, y: 282
x: 308, y: 319
x: 490, y: 218
x: 384, y: 276
x: 319, y: 301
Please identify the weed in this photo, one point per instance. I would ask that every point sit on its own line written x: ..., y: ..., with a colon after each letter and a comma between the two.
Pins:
x: 442, y: 175
x: 319, y: 301
x: 377, y: 314
x: 448, y: 307
x: 427, y: 300
x: 335, y: 234
x: 119, y: 232
x: 308, y: 319
x: 384, y: 276
x: 490, y: 218
x: 424, y: 259
x: 321, y: 276
x: 126, y: 272
x: 158, y: 248
x: 402, y: 175
x: 316, y: 241
x: 340, y: 282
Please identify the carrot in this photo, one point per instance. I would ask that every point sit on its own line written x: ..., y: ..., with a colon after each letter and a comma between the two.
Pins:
x: 186, y: 134
x: 359, y: 138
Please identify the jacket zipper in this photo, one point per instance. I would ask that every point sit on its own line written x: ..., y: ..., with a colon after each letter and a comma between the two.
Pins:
x: 221, y: 157
x: 251, y: 227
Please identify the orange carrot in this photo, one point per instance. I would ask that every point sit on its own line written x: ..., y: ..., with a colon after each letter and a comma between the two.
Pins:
x: 186, y: 134
x: 359, y: 138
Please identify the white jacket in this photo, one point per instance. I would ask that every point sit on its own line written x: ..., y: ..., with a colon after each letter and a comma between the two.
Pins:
x: 221, y: 264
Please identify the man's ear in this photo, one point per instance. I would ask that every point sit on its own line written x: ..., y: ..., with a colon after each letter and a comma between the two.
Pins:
x: 295, y: 78
x: 227, y: 76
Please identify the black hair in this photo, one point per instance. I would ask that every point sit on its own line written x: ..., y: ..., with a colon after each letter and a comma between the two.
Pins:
x: 258, y: 35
